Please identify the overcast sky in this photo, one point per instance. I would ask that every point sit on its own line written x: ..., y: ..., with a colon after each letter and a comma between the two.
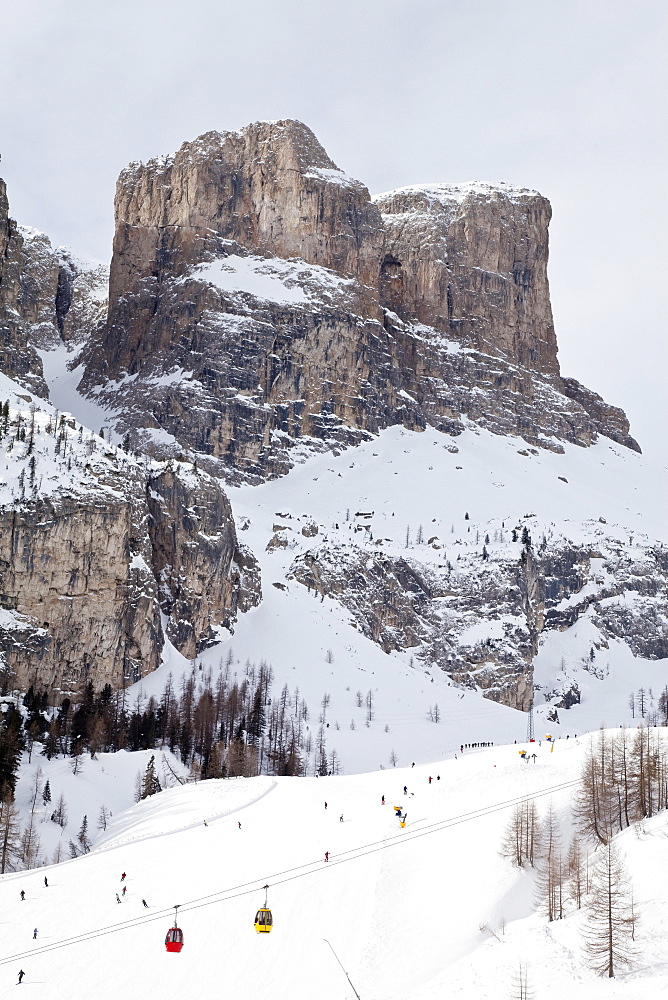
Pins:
x: 566, y: 96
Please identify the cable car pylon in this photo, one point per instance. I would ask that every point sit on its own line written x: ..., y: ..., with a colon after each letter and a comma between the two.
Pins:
x: 343, y: 970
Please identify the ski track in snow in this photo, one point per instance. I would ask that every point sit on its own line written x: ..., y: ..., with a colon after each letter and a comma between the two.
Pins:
x: 424, y: 913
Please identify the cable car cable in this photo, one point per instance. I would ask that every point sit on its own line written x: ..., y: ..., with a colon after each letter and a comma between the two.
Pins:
x: 223, y: 895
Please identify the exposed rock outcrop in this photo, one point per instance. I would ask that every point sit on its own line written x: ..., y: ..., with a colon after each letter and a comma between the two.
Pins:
x: 259, y: 299
x: 204, y: 576
x: 18, y: 358
x: 470, y: 261
x: 63, y: 297
x: 47, y: 297
x: 94, y: 546
x: 481, y: 621
x: 610, y: 421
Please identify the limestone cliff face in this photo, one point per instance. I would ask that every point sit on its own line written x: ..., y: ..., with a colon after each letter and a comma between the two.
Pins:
x: 259, y: 299
x: 205, y: 576
x: 47, y: 297
x: 94, y: 546
x: 63, y: 298
x: 470, y: 260
x: 76, y: 572
x: 270, y: 187
x: 18, y: 358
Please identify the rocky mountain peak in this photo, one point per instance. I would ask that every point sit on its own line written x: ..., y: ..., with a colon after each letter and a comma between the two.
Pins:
x: 270, y: 188
x: 259, y: 297
x: 451, y: 247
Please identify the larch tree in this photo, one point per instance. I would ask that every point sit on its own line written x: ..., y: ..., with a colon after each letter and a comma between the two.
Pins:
x: 103, y: 818
x: 521, y: 841
x: 9, y: 835
x: 551, y: 870
x: 521, y: 988
x: 59, y: 814
x: 577, y: 864
x: 611, y: 919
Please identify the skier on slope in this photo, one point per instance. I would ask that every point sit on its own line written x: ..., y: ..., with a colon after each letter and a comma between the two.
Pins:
x: 21, y: 974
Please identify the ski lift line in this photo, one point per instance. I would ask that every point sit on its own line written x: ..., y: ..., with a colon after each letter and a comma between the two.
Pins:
x: 342, y: 969
x: 236, y: 892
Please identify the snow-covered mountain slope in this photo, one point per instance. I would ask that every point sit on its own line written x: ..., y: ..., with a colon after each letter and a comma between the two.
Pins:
x: 96, y: 788
x: 425, y: 911
x: 600, y: 510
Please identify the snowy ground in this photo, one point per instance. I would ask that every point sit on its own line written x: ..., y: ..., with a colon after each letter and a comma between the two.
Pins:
x: 424, y: 912
x: 410, y: 480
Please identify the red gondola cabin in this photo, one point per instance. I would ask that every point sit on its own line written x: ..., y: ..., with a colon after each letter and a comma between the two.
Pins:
x: 174, y: 939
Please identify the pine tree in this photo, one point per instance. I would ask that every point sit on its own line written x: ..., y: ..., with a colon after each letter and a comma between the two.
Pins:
x: 12, y: 744
x: 46, y: 793
x: 611, y: 919
x: 150, y: 783
x: 82, y: 836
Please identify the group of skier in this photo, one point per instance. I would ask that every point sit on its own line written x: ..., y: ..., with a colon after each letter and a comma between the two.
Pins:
x: 35, y: 931
x: 125, y: 889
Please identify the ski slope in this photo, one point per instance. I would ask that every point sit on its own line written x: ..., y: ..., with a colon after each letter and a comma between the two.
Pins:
x: 428, y: 911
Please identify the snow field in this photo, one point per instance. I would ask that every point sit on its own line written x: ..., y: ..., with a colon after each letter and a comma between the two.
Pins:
x: 413, y: 479
x: 419, y: 912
